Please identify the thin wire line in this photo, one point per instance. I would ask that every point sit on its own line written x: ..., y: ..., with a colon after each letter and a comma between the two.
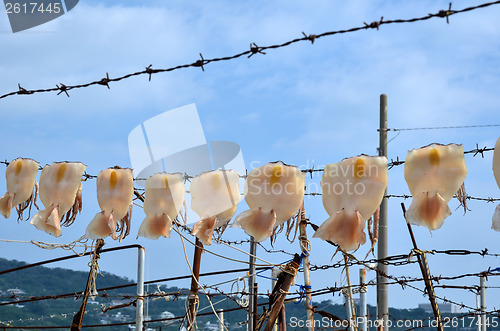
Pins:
x: 222, y: 256
x: 446, y: 127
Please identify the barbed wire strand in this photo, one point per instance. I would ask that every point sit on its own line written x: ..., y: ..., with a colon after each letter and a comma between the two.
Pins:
x: 253, y: 50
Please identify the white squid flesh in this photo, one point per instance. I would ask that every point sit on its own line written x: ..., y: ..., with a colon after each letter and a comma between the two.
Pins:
x: 434, y: 174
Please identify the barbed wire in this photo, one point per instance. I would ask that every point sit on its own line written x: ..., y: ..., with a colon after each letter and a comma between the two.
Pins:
x: 254, y: 49
x: 187, y: 177
x: 395, y: 260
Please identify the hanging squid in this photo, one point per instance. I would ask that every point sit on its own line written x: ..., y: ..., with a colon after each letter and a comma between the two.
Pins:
x: 214, y: 197
x: 60, y: 193
x: 352, y: 190
x: 115, y: 189
x: 163, y: 200
x: 496, y: 171
x: 21, y: 179
x: 274, y: 192
x: 434, y: 174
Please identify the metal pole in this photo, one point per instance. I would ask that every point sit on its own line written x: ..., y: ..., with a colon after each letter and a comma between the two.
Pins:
x: 362, y: 301
x: 483, y: 302
x: 221, y: 319
x: 139, y: 314
x: 193, y: 295
x: 382, y: 251
x: 251, y: 281
x: 304, y: 246
x: 478, y: 305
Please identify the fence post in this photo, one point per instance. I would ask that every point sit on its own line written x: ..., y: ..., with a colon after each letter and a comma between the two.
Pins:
x: 349, y: 300
x: 424, y: 268
x: 221, y: 319
x: 77, y: 320
x: 305, y: 247
x: 277, y: 298
x: 483, y: 301
x: 139, y: 313
x: 193, y: 294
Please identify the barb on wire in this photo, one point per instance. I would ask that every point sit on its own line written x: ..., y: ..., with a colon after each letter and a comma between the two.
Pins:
x: 254, y: 49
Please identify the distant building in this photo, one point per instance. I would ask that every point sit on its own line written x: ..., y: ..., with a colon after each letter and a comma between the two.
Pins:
x: 166, y: 314
x: 15, y: 291
x: 443, y: 308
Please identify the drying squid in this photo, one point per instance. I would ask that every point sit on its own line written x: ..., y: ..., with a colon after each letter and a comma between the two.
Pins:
x: 164, y: 197
x: 274, y: 192
x: 496, y: 171
x: 115, y: 189
x: 21, y: 179
x: 214, y: 197
x: 352, y: 190
x: 434, y: 174
x: 60, y: 193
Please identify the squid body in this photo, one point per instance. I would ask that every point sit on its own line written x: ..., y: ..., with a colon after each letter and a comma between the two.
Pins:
x: 434, y: 174
x: 21, y: 179
x: 163, y: 201
x: 60, y: 193
x: 214, y: 197
x: 352, y: 190
x: 115, y: 189
x: 274, y: 192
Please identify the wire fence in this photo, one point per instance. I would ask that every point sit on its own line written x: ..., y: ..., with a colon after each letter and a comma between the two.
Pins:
x: 395, y: 260
x: 399, y: 260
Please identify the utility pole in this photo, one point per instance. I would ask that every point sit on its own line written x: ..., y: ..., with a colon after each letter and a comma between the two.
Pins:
x: 382, y: 249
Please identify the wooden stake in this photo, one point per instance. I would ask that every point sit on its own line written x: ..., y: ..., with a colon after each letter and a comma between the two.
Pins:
x: 283, y: 284
x: 282, y: 319
x: 193, y: 295
x: 350, y: 300
x: 304, y: 246
x: 424, y: 268
x: 78, y: 319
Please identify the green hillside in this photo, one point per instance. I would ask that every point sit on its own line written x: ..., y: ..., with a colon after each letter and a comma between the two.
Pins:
x: 43, y: 281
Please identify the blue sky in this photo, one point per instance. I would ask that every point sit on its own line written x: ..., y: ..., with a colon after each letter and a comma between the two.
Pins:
x: 304, y: 104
